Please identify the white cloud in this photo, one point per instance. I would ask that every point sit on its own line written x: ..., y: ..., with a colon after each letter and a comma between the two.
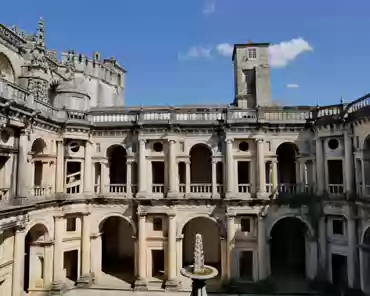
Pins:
x: 284, y: 52
x: 292, y: 85
x: 225, y: 49
x: 209, y: 7
x: 196, y: 52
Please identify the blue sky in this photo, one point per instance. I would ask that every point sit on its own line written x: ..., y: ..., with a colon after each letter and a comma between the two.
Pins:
x: 152, y: 38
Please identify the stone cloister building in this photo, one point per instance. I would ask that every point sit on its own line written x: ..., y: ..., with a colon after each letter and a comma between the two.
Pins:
x: 93, y: 193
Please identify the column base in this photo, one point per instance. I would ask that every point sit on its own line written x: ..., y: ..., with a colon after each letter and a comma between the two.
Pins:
x: 229, y: 195
x: 57, y: 288
x: 141, y: 194
x: 216, y: 195
x: 84, y: 281
x: 140, y: 285
x: 172, y: 285
x: 262, y: 195
x: 173, y: 194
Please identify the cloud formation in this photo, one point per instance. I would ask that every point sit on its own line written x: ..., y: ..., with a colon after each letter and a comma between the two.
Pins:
x: 283, y: 53
x: 280, y: 54
x: 292, y: 85
x: 196, y: 52
x: 209, y: 7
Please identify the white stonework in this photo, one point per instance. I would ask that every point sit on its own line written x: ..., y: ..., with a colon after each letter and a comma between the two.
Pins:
x: 96, y: 195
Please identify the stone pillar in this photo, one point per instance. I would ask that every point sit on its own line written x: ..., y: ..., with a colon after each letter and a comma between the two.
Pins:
x: 48, y: 268
x: 215, y: 194
x: 171, y: 283
x: 129, y: 177
x: 187, y: 177
x: 261, y: 169
x: 86, y: 251
x: 224, y: 256
x: 320, y: 166
x: 18, y: 264
x: 363, y: 176
x: 348, y: 163
x: 323, y: 273
x: 262, y: 252
x: 352, y: 252
x: 59, y: 179
x: 230, y: 244
x: 275, y: 175
x: 229, y: 168
x: 142, y: 169
x: 140, y: 283
x: 173, y: 170
x: 105, y: 177
x: 24, y: 167
x: 58, y: 254
x: 88, y: 178
x: 96, y: 259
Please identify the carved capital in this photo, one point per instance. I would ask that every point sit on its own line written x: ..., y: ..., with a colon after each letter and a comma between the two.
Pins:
x: 259, y: 140
x: 229, y: 140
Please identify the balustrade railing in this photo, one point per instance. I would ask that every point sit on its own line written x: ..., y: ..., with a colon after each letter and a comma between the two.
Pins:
x: 117, y: 188
x: 244, y: 188
x: 335, y: 189
x: 41, y: 190
x: 158, y: 188
x: 201, y: 188
x: 10, y: 91
x: 182, y: 188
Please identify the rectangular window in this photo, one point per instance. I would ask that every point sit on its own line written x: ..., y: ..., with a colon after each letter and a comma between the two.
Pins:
x: 71, y: 224
x: 182, y: 147
x: 338, y: 227
x: 252, y: 53
x: 245, y: 224
x: 157, y: 224
x: 97, y: 147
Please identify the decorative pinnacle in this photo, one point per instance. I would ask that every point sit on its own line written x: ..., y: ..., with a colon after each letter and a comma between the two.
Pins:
x: 198, y: 254
x: 41, y: 33
x: 342, y: 100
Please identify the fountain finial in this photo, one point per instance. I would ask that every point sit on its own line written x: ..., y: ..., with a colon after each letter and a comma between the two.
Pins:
x: 198, y: 254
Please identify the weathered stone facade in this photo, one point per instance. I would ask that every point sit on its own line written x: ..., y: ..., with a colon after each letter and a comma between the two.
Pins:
x: 94, y: 194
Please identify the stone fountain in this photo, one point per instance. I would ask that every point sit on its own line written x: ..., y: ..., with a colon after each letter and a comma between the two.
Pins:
x: 199, y: 272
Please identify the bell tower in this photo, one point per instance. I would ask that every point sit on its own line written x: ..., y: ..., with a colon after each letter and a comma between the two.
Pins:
x: 251, y: 75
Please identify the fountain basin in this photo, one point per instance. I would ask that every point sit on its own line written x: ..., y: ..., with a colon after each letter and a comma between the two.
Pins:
x: 207, y: 272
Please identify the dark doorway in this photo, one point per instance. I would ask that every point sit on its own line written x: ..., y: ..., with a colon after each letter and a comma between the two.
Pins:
x: 70, y: 264
x: 246, y: 265
x: 339, y: 270
x: 157, y: 263
x: 288, y: 254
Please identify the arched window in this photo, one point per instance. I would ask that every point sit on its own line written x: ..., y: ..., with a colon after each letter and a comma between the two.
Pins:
x: 6, y: 69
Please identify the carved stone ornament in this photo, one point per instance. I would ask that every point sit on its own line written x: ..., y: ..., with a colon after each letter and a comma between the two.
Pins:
x: 3, y: 122
x: 39, y: 89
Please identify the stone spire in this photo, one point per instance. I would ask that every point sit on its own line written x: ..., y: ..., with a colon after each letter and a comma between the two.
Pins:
x: 41, y: 33
x: 198, y: 254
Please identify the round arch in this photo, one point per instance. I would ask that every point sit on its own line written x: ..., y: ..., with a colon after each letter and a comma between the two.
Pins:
x: 200, y: 144
x: 366, y: 143
x: 39, y: 146
x: 113, y: 147
x: 100, y: 221
x: 287, y: 153
x: 365, y: 236
x: 6, y: 68
x: 287, y: 216
x: 44, y: 224
x: 117, y: 158
x: 211, y: 233
x: 288, y: 145
x: 200, y: 164
x: 181, y: 225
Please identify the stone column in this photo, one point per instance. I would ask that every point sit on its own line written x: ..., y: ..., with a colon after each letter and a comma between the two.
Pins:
x: 58, y: 253
x: 86, y: 251
x: 96, y: 259
x: 173, y: 170
x: 171, y: 283
x: 363, y: 176
x: 48, y: 268
x: 142, y: 169
x: 187, y: 177
x: 320, y: 167
x: 214, y: 179
x: 262, y: 252
x: 18, y: 264
x: 24, y: 167
x: 348, y: 163
x: 88, y: 178
x: 105, y: 177
x: 129, y: 177
x: 140, y: 283
x: 229, y: 168
x: 59, y: 179
x: 224, y: 256
x: 323, y: 249
x: 302, y: 180
x: 275, y: 175
x: 261, y: 169
x: 352, y: 252
x: 230, y: 243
